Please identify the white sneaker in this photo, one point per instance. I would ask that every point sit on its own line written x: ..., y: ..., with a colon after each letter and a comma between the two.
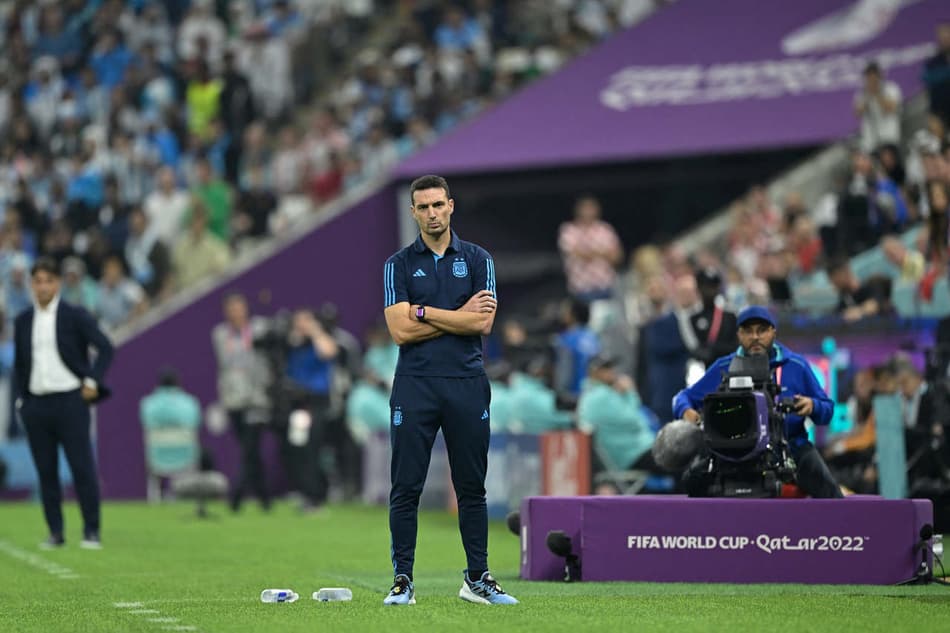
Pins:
x: 91, y: 542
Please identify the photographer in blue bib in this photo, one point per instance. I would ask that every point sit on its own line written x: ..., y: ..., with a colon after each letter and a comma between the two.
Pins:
x: 757, y: 334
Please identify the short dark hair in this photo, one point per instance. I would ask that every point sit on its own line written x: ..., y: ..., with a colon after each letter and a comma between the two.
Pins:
x: 45, y: 265
x: 579, y: 311
x: 872, y: 68
x: 168, y: 377
x: 429, y: 181
x: 233, y: 295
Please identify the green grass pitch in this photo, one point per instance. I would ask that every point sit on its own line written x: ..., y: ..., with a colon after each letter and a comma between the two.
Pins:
x: 174, y: 572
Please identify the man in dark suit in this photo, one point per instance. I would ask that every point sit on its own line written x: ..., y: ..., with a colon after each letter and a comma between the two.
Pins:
x: 56, y: 382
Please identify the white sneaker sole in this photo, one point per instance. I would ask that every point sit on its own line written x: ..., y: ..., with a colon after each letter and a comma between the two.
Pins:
x: 397, y: 604
x: 469, y: 596
x: 90, y: 545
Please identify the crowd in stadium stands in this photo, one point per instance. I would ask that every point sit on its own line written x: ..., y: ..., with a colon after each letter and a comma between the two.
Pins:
x: 146, y: 144
x: 142, y: 151
x: 164, y: 137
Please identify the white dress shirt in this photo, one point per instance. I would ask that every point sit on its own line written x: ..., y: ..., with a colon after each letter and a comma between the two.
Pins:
x: 48, y: 374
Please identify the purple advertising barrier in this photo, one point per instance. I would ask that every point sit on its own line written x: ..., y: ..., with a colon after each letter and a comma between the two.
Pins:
x: 342, y: 261
x: 858, y: 540
x: 699, y: 77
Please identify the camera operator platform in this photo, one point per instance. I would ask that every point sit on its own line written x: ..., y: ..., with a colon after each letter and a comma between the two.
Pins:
x: 794, y: 379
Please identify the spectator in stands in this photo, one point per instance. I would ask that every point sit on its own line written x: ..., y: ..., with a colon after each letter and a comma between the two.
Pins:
x: 216, y: 196
x: 266, y: 60
x: 533, y: 403
x: 713, y: 327
x: 167, y: 206
x: 203, y: 98
x: 857, y: 300
x: 909, y: 262
x: 243, y: 381
x: 928, y: 453
x: 877, y: 105
x: 590, y: 250
x: 237, y: 112
x: 201, y: 31
x: 854, y: 232
x: 148, y: 257
x: 774, y: 268
x: 120, y: 298
x: 78, y: 288
x: 664, y: 354
x: 610, y: 409
x: 805, y: 245
x: 17, y: 295
x: 111, y: 59
x: 518, y: 347
x: 289, y: 162
x: 199, y: 254
x: 936, y: 75
x: 58, y: 41
x: 850, y: 455
x: 938, y: 222
x: 574, y: 347
x: 256, y: 201
x: 888, y: 211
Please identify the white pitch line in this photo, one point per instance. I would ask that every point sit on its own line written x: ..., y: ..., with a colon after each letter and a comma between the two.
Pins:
x: 54, y: 569
x: 138, y: 608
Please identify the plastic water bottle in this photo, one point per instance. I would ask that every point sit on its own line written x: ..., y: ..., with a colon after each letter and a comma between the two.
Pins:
x: 279, y: 595
x: 333, y: 594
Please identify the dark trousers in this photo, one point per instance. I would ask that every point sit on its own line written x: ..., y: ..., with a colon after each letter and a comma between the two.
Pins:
x: 251, y: 478
x: 813, y: 475
x: 55, y: 420
x: 419, y: 407
x: 303, y: 462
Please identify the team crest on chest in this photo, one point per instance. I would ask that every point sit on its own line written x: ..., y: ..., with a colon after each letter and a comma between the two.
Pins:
x: 460, y: 268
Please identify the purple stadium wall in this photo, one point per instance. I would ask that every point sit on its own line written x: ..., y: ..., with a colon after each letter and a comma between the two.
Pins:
x: 342, y: 262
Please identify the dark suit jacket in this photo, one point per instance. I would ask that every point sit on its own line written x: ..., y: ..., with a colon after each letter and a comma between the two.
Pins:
x: 76, y: 331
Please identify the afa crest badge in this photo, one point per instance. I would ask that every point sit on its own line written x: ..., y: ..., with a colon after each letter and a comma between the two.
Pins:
x: 460, y: 268
x: 397, y: 417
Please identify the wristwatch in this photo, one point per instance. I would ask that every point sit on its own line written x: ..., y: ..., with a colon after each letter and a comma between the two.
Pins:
x: 421, y: 313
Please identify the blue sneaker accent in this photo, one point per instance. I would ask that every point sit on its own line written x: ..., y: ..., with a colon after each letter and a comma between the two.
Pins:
x: 485, y: 590
x: 419, y: 273
x: 402, y: 591
x: 485, y: 414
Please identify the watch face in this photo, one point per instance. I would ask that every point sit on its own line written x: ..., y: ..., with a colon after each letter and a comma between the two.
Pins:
x: 420, y: 312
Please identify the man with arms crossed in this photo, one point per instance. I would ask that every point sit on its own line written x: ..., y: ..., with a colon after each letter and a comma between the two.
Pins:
x: 440, y: 301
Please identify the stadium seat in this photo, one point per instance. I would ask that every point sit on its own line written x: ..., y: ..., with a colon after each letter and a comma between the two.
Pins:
x: 174, y: 452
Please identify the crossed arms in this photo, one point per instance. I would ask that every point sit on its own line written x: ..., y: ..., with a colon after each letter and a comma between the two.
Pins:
x: 476, y: 317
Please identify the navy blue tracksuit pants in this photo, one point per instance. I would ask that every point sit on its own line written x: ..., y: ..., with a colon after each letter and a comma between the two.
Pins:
x: 62, y: 419
x: 419, y: 406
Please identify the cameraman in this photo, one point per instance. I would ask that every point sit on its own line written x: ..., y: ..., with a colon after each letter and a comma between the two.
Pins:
x: 756, y: 331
